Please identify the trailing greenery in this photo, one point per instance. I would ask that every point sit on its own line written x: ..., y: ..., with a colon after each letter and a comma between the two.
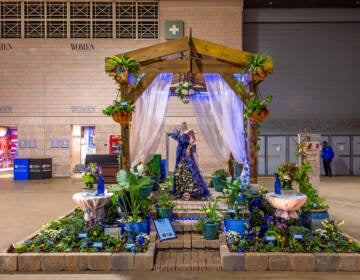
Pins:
x: 119, y: 106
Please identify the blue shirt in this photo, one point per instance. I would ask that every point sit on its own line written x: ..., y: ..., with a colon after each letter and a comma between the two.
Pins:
x: 327, y: 153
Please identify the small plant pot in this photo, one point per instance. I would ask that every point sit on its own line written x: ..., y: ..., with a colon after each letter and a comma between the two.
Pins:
x: 260, y: 116
x: 145, y: 191
x: 211, y: 231
x: 235, y: 225
x: 216, y: 184
x: 135, y: 228
x: 164, y: 212
x: 254, y: 202
x: 122, y: 117
x: 313, y: 219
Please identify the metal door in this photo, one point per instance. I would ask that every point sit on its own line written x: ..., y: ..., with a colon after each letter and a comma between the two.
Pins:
x: 276, y: 153
x: 292, y: 148
x: 261, y: 156
x: 356, y: 155
x: 341, y: 162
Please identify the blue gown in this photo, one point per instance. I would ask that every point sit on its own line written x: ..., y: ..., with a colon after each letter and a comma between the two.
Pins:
x: 187, y: 174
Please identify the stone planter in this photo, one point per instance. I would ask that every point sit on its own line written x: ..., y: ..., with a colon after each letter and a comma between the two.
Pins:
x: 312, y: 219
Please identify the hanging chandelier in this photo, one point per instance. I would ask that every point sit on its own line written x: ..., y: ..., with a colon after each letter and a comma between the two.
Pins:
x: 184, y: 90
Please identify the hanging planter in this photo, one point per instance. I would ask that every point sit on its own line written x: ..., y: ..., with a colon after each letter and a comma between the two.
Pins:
x: 260, y: 115
x: 122, y: 117
x: 119, y: 67
x: 120, y: 111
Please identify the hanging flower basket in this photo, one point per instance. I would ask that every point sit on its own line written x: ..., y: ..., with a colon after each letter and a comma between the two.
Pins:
x: 260, y: 116
x: 123, y: 117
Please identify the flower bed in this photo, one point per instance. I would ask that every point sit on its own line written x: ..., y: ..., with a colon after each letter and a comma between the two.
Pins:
x: 73, y: 234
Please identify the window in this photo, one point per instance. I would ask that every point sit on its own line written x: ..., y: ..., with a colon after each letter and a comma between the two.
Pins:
x: 79, y: 19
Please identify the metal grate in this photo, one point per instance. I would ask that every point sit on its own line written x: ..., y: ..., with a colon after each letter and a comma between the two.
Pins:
x: 56, y: 10
x: 80, y: 29
x: 34, y: 10
x: 10, y: 10
x: 56, y: 29
x: 79, y: 19
x: 34, y: 29
x: 148, y: 30
x: 11, y: 29
x: 126, y: 29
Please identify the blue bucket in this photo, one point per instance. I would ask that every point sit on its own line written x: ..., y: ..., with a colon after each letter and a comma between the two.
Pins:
x: 235, y: 225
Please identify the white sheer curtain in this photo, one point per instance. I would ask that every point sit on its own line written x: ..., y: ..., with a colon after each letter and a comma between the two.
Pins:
x: 220, y: 118
x: 209, y: 129
x: 149, y: 119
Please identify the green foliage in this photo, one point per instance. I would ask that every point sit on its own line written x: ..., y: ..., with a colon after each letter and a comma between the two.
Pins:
x: 119, y: 106
x: 119, y: 64
x: 111, y: 213
x: 129, y: 189
x: 164, y: 196
x: 91, y: 174
x: 211, y: 212
x: 221, y: 176
x: 256, y: 218
x: 256, y: 60
x: 267, y: 208
x: 153, y: 166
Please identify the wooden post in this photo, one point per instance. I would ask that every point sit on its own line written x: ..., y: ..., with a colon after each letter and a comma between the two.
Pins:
x: 253, y: 137
x: 125, y: 132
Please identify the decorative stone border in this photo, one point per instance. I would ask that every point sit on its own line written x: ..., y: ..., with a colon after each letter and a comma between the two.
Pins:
x: 26, y: 262
x: 288, y: 261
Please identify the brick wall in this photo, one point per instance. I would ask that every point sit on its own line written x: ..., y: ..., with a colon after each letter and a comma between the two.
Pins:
x: 41, y: 79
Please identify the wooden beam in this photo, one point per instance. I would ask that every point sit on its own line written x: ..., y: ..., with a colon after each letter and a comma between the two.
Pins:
x: 220, y: 51
x: 197, y: 67
x: 144, y: 83
x: 159, y: 50
x: 232, y: 82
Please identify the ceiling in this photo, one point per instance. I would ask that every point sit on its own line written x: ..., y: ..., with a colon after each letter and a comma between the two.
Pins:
x: 292, y: 4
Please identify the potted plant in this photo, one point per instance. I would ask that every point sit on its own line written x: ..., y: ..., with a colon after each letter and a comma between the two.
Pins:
x: 164, y: 206
x: 121, y: 111
x: 255, y: 197
x: 210, y: 225
x: 90, y: 176
x: 153, y: 170
x: 119, y: 67
x: 315, y: 210
x: 133, y: 201
x: 219, y: 179
x: 259, y: 65
x: 237, y: 214
x: 288, y: 173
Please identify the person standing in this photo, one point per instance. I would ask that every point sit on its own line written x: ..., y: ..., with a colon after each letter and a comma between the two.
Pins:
x: 327, y: 155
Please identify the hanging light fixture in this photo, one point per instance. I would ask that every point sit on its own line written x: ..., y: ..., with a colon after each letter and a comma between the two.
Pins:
x: 3, y: 131
x: 185, y: 89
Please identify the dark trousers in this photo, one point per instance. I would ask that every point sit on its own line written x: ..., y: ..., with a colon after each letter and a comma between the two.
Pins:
x: 327, y: 167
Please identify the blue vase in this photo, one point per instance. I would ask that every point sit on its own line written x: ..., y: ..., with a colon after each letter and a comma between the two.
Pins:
x: 277, y: 185
x: 100, y: 185
x: 135, y: 228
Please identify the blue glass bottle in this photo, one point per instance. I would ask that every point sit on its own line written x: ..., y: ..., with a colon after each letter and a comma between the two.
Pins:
x: 277, y: 185
x: 100, y: 185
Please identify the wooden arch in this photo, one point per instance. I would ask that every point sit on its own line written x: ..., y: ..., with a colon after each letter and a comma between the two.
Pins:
x: 193, y: 56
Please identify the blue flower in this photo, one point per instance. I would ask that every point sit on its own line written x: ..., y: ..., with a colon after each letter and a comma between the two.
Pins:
x: 314, y: 205
x: 141, y: 240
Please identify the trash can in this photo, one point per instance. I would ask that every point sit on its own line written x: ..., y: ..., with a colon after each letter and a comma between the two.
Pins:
x: 40, y: 168
x: 21, y: 169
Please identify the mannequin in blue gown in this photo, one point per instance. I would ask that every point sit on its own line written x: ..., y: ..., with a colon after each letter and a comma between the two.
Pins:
x: 188, y: 179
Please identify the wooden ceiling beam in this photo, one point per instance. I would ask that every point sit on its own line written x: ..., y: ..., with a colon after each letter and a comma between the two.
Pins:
x: 144, y: 83
x: 159, y: 50
x: 197, y: 67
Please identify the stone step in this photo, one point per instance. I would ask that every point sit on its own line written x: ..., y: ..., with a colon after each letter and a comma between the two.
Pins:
x: 189, y: 240
x: 187, y: 260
